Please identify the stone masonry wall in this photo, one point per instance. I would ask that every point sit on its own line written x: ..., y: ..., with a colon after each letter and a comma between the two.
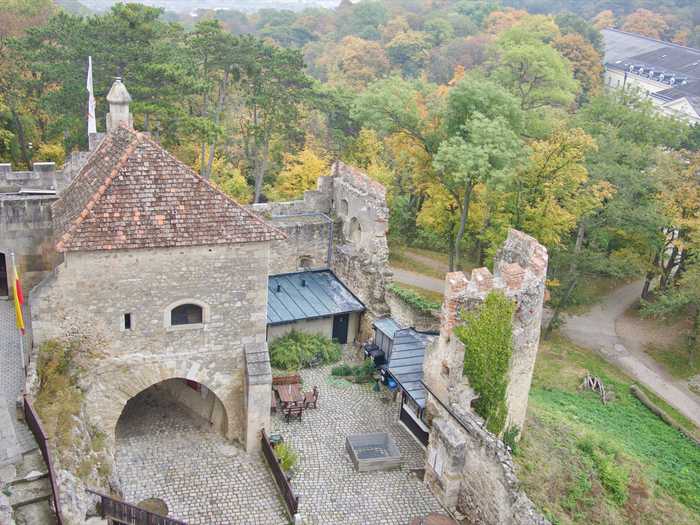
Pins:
x: 26, y: 230
x: 25, y: 219
x: 361, y: 254
x: 91, y: 291
x: 468, y: 468
x: 357, y: 207
x: 407, y: 315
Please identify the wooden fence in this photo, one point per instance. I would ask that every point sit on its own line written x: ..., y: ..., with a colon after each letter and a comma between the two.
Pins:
x: 290, y: 499
x: 42, y: 440
x: 117, y: 511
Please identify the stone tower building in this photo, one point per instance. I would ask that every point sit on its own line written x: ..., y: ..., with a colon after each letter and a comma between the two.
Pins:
x: 165, y: 272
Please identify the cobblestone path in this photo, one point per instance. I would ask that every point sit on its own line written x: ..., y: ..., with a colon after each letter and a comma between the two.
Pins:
x: 164, y: 451
x: 332, y: 492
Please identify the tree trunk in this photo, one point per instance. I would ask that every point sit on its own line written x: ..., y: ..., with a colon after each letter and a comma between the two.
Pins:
x: 223, y: 86
x: 580, y: 235
x: 22, y: 138
x: 650, y: 277
x: 464, y: 217
x: 668, y: 269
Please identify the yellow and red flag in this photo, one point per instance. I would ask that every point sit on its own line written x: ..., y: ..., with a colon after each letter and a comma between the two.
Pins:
x: 19, y: 298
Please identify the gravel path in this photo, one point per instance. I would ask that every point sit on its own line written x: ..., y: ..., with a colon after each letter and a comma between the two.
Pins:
x: 417, y: 279
x: 598, y: 330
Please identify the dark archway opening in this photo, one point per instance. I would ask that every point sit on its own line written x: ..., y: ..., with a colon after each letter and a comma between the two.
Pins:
x: 4, y: 289
x: 176, y: 398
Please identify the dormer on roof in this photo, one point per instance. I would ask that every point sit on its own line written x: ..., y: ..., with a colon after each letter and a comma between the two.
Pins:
x: 118, y: 99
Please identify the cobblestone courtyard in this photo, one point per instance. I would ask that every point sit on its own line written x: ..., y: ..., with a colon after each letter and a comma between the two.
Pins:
x: 164, y: 451
x: 331, y: 491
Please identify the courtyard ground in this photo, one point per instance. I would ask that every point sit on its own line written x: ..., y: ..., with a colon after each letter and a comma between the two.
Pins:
x: 166, y: 452
x: 331, y: 491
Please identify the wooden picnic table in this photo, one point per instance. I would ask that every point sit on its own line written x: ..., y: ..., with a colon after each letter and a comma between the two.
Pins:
x: 290, y: 393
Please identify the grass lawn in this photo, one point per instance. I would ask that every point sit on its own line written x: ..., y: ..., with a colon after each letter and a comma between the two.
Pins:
x: 430, y: 295
x: 585, y: 462
x: 675, y: 359
x: 413, y: 259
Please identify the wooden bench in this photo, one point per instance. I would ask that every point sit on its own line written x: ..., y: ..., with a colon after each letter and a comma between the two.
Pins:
x: 286, y: 380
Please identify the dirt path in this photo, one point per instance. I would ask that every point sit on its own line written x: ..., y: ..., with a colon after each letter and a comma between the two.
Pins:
x: 418, y: 279
x: 598, y: 330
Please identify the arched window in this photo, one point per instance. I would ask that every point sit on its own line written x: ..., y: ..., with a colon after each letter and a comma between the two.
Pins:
x: 187, y: 314
x: 355, y: 230
x: 306, y: 261
x: 343, y: 207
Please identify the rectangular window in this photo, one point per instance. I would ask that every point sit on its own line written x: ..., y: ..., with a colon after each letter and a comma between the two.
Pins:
x: 127, y: 321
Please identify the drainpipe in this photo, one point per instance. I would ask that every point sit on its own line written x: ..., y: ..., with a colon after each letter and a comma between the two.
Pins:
x: 328, y: 220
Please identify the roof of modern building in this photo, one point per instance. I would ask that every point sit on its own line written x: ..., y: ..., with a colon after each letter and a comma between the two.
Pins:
x: 406, y: 362
x: 308, y: 295
x: 679, y: 65
x: 131, y: 193
x: 388, y: 326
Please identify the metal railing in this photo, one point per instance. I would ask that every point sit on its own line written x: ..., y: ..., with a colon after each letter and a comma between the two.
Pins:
x: 34, y: 424
x: 290, y: 499
x: 117, y: 511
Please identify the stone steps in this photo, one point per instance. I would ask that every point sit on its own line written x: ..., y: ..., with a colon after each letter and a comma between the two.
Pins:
x: 10, y: 451
x: 26, y: 492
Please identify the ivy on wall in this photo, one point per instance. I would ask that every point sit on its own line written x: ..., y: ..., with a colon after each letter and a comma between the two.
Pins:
x: 413, y: 299
x: 487, y: 334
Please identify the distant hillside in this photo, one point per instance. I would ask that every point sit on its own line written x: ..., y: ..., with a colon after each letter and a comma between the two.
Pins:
x: 74, y: 7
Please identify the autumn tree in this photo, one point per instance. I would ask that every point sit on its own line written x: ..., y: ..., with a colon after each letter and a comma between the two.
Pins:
x: 300, y: 173
x: 645, y: 22
x: 604, y: 19
x: 354, y: 62
x: 586, y: 62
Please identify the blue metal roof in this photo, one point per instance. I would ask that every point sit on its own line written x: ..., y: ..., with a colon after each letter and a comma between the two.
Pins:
x: 387, y: 326
x: 406, y: 363
x: 308, y: 295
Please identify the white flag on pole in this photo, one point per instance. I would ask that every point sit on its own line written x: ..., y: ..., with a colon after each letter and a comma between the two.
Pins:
x: 92, y: 123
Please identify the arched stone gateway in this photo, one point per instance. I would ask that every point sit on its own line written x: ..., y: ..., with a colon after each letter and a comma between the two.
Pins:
x: 192, y: 398
x: 189, y: 383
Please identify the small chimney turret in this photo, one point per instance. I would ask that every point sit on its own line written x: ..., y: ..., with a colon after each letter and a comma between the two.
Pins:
x: 118, y: 99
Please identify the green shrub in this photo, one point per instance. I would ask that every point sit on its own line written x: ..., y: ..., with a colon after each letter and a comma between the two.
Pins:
x: 298, y: 350
x: 286, y: 455
x: 363, y: 373
x: 487, y: 335
x: 413, y: 299
x: 510, y: 437
x: 342, y: 370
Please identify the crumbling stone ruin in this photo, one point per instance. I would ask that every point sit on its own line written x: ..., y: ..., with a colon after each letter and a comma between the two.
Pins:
x: 341, y: 225
x: 468, y: 468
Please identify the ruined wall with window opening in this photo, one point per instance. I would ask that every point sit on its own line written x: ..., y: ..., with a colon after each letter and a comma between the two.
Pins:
x: 468, y: 468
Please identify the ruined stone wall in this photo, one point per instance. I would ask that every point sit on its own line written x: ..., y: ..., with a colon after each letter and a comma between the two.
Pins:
x: 472, y: 473
x: 25, y: 219
x: 469, y: 469
x: 356, y: 206
x: 520, y: 270
x: 91, y: 291
x: 407, y: 315
x: 361, y: 254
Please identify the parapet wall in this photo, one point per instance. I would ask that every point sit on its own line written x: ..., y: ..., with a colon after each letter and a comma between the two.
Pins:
x: 468, y: 468
x: 520, y: 270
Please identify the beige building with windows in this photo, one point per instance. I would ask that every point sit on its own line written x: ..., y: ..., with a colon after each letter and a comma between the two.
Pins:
x: 668, y: 74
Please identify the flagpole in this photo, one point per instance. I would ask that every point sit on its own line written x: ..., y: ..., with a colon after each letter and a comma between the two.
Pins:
x: 21, y: 335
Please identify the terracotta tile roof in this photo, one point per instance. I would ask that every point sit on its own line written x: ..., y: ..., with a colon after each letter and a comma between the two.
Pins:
x: 132, y: 193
